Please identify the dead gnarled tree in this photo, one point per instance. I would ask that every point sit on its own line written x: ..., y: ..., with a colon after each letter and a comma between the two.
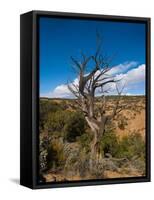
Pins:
x: 91, y: 83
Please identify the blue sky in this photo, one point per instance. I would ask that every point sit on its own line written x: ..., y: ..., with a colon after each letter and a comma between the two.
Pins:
x: 62, y: 38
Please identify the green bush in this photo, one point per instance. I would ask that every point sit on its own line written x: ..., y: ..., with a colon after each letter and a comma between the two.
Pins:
x: 66, y: 123
x: 85, y: 140
x: 130, y: 146
x: 55, y: 157
x: 56, y: 121
x: 74, y: 127
x: 45, y: 108
x: 109, y: 143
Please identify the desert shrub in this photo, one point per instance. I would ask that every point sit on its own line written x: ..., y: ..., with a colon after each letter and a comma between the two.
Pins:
x: 98, y: 170
x: 56, y: 121
x: 109, y: 143
x: 74, y: 127
x: 67, y: 124
x: 122, y: 123
x: 139, y: 164
x: 46, y: 107
x: 42, y: 160
x: 55, y: 157
x: 72, y: 153
x: 43, y: 146
x: 85, y: 140
x: 130, y: 146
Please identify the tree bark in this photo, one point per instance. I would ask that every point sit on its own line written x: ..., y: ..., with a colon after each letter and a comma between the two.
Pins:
x: 98, y: 129
x: 85, y: 92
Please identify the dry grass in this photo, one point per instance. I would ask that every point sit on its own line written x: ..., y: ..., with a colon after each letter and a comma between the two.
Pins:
x: 129, y: 121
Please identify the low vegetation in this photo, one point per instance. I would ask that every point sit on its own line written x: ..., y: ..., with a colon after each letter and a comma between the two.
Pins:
x: 65, y: 141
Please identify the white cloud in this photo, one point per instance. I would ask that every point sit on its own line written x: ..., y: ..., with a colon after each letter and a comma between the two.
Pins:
x: 61, y: 91
x: 136, y: 75
x: 122, y: 68
x: 131, y: 78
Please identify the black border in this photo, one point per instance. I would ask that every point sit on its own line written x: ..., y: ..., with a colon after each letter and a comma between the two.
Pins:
x: 26, y: 99
x: 35, y: 98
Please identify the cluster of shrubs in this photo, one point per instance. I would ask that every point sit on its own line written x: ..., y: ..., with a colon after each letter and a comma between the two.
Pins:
x: 67, y: 124
x: 131, y: 148
x: 59, y: 124
x: 66, y: 127
x: 128, y: 147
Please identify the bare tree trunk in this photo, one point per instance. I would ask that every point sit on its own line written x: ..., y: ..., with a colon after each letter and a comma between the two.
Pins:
x: 85, y: 92
x: 98, y: 129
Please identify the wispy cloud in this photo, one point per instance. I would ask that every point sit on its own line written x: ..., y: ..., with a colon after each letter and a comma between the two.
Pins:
x: 61, y: 91
x: 123, y: 68
x: 133, y: 78
x: 130, y: 74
